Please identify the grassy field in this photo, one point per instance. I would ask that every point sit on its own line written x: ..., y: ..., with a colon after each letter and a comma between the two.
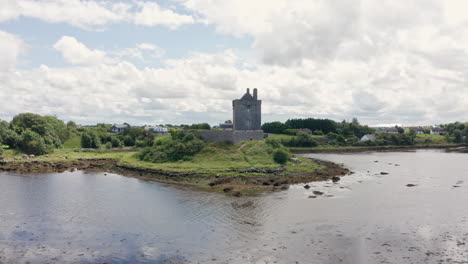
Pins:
x: 73, y: 142
x: 215, y: 158
x: 430, y: 139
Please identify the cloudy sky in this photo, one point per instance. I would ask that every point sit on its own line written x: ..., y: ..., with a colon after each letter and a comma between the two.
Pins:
x: 183, y: 61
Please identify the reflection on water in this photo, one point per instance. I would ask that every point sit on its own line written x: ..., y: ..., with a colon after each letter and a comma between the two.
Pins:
x: 88, y: 217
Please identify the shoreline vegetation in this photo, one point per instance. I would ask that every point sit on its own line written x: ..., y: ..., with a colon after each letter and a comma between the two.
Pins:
x: 237, y: 179
x: 32, y: 143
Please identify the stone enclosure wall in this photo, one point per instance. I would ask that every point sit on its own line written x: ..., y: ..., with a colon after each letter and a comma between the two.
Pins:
x: 231, y: 135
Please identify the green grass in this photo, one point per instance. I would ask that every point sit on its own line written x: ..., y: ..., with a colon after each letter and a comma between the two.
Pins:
x: 73, y: 142
x: 215, y: 158
x: 430, y: 139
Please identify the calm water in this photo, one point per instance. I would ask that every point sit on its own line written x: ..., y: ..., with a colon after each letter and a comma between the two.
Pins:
x: 84, y: 217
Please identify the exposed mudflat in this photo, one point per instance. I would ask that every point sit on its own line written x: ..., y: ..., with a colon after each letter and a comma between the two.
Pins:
x: 234, y: 182
x: 415, y: 213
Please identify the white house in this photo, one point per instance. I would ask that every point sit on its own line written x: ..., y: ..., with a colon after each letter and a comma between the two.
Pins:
x: 437, y: 131
x: 118, y: 128
x: 419, y: 130
x: 158, y: 130
x: 368, y: 137
x: 391, y: 130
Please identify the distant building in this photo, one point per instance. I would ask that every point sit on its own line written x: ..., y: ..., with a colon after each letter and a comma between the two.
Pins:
x: 419, y: 130
x: 391, y: 130
x: 247, y: 118
x: 247, y: 112
x: 437, y: 131
x: 368, y: 137
x: 226, y: 126
x: 157, y: 130
x: 306, y: 130
x: 119, y: 128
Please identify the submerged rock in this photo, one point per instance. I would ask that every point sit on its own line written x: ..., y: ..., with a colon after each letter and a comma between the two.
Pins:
x: 410, y: 185
x: 383, y: 173
x: 318, y: 192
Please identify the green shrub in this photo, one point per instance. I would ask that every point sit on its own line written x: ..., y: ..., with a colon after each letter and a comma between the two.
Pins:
x: 140, y: 144
x: 116, y: 143
x: 1, y: 150
x: 274, y: 143
x: 318, y: 132
x: 32, y: 143
x: 291, y: 132
x: 179, y: 147
x: 108, y: 145
x: 280, y: 156
x: 89, y: 139
x: 301, y: 140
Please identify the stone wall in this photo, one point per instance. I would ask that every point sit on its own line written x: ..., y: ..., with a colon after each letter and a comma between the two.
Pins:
x: 231, y: 135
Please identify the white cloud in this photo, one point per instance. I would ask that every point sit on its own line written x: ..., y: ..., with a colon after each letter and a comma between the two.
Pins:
x: 151, y: 14
x: 93, y: 14
x: 381, y: 61
x: 200, y: 88
x: 11, y: 47
x: 76, y: 52
x: 142, y: 51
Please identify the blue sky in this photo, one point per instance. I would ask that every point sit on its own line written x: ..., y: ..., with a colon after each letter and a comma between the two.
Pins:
x: 184, y: 61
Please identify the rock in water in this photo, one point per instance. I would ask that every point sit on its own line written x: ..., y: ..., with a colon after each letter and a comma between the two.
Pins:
x: 307, y: 186
x: 317, y: 192
x: 384, y: 173
x: 410, y: 185
x: 336, y: 179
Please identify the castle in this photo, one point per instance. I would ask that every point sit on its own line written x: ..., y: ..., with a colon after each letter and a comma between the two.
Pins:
x: 247, y: 112
x: 247, y: 119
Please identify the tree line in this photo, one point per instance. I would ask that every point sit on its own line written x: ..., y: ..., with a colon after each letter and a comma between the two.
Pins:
x: 318, y: 127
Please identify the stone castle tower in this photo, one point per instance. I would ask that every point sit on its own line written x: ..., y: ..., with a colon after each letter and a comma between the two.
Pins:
x: 247, y: 112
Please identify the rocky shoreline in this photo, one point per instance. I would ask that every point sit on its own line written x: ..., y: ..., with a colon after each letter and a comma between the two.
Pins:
x: 233, y: 181
x: 377, y: 148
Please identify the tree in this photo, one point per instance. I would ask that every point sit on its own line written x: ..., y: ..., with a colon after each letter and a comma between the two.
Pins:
x: 32, y: 143
x: 179, y: 147
x: 274, y: 127
x: 116, y: 143
x: 400, y: 129
x: 71, y: 124
x: 51, y: 130
x: 205, y: 126
x: 458, y: 136
x: 280, y: 156
x: 89, y: 139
